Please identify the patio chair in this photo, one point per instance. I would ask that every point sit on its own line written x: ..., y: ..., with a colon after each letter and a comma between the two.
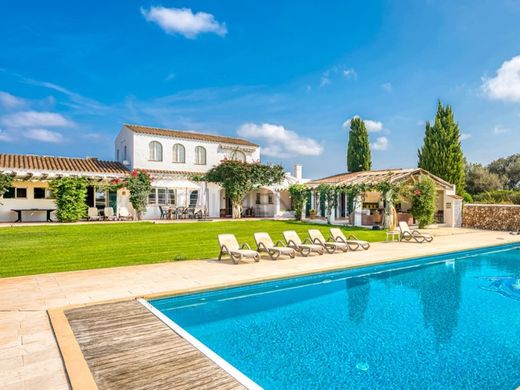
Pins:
x: 93, y: 214
x: 123, y: 213
x: 109, y: 213
x: 177, y: 213
x: 330, y: 246
x: 305, y: 247
x: 164, y: 213
x: 407, y: 234
x: 229, y: 246
x: 264, y: 243
x: 352, y: 241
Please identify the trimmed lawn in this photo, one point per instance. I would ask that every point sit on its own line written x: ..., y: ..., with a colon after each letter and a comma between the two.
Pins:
x: 29, y: 250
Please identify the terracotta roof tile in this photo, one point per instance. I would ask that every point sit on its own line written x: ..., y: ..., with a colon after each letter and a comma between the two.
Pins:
x: 188, y: 135
x: 57, y: 164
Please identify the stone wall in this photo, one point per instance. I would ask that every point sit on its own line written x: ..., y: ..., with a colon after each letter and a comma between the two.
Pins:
x: 491, y: 217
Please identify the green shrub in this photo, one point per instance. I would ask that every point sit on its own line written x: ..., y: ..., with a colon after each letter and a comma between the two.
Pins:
x: 498, y: 197
x: 467, y: 197
x: 6, y: 181
x: 70, y: 194
x: 299, y: 193
x: 139, y: 185
x: 422, y: 197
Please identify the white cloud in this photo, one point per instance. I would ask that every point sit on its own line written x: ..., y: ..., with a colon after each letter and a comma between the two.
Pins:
x: 44, y: 135
x: 387, y: 87
x: 380, y: 144
x: 36, y: 119
x: 280, y: 142
x: 506, y: 84
x: 350, y: 73
x: 183, y: 21
x: 371, y: 125
x: 5, y: 137
x: 499, y: 129
x: 465, y: 136
x: 325, y: 79
x: 10, y: 101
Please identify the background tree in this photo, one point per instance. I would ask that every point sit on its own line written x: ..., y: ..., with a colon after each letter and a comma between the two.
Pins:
x: 70, y: 194
x: 508, y: 169
x: 358, y: 150
x: 441, y: 153
x: 139, y: 185
x: 299, y: 193
x: 6, y: 181
x: 422, y: 195
x: 480, y: 179
x: 238, y: 178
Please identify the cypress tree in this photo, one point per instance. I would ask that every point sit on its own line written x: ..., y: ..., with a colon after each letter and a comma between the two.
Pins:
x: 441, y: 153
x: 358, y: 151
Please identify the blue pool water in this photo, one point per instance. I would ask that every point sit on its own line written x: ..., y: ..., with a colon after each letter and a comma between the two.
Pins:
x: 450, y: 321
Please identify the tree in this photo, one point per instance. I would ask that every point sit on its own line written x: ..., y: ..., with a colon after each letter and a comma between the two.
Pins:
x: 480, y: 179
x: 139, y: 185
x: 422, y: 198
x: 6, y: 181
x: 238, y: 178
x: 299, y: 193
x: 70, y: 194
x: 358, y: 151
x: 508, y: 169
x: 441, y: 153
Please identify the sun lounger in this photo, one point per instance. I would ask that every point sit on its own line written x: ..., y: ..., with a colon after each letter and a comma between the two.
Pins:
x: 264, y: 243
x: 123, y: 213
x: 330, y: 246
x: 93, y: 214
x: 353, y: 242
x: 407, y: 234
x: 229, y: 246
x: 109, y: 213
x: 305, y: 247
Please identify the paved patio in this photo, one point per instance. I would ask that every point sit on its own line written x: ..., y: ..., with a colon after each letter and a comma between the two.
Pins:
x: 29, y: 356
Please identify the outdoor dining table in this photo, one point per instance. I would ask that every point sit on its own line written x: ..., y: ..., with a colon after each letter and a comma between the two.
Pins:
x: 20, y: 211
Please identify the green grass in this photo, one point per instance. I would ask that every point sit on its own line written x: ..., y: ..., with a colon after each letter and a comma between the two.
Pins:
x: 42, y: 249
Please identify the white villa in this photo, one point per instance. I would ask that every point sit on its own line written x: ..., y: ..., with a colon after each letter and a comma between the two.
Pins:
x: 171, y: 157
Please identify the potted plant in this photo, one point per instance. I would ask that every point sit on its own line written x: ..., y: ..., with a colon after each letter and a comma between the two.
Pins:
x: 312, y: 213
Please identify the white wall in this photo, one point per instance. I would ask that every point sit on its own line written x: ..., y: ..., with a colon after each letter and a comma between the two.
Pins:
x: 124, y: 138
x: 6, y: 215
x: 214, y: 153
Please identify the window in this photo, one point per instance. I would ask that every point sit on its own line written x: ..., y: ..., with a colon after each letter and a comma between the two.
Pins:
x: 238, y: 156
x: 124, y: 153
x: 9, y: 193
x: 161, y: 195
x: 117, y: 155
x: 21, y: 193
x: 155, y: 149
x: 200, y: 155
x: 258, y: 200
x: 270, y: 198
x: 179, y: 153
x: 194, y: 196
x: 42, y: 193
x: 101, y: 199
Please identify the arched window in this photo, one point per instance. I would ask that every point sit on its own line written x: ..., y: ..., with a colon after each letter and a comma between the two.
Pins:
x: 238, y: 156
x: 155, y: 149
x: 200, y: 155
x: 179, y: 153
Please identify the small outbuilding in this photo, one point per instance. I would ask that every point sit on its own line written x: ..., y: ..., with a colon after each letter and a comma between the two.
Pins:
x: 369, y: 207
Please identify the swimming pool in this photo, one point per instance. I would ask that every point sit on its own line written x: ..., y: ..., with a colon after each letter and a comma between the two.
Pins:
x: 448, y: 321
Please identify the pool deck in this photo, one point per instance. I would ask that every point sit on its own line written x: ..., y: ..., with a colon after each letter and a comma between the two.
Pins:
x: 31, y: 359
x: 127, y: 347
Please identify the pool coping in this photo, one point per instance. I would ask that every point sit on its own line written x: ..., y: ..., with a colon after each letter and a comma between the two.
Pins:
x: 77, y: 369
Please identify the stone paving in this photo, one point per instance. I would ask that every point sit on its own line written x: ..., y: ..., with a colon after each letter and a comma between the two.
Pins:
x: 30, y: 358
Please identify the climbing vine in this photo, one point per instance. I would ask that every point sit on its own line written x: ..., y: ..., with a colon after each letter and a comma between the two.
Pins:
x: 6, y: 181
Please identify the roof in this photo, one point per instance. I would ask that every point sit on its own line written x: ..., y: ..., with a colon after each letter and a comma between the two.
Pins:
x: 377, y: 176
x: 188, y: 135
x: 28, y: 162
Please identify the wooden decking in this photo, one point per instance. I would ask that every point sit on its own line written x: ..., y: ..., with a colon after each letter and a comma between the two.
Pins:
x: 127, y: 347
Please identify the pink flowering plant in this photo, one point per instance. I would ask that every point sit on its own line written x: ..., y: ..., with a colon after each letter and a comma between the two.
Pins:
x: 139, y: 184
x: 422, y: 197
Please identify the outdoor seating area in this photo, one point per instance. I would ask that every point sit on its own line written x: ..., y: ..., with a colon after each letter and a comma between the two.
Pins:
x: 172, y: 213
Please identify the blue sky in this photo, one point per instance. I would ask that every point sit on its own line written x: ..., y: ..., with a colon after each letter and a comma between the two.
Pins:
x: 285, y: 74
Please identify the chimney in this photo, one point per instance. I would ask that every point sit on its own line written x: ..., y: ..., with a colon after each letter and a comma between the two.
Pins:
x: 298, y: 171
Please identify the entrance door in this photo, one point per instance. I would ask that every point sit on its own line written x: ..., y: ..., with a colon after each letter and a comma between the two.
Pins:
x: 342, y: 205
x: 229, y: 207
